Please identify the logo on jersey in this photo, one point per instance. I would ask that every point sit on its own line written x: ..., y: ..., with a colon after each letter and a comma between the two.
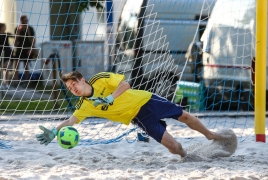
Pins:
x: 102, y: 92
x: 105, y: 107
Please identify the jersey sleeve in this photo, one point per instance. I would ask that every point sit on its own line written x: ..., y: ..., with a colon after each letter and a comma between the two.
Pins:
x: 81, y: 112
x: 80, y: 115
x: 115, y: 79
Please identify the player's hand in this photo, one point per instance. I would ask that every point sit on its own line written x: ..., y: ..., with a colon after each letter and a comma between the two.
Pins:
x: 47, y: 136
x: 103, y: 101
x: 20, y: 27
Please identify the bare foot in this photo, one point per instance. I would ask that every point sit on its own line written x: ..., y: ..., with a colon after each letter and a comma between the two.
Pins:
x: 183, y: 154
x: 213, y: 136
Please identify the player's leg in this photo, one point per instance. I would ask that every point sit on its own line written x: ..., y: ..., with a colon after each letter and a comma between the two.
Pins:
x: 173, y: 146
x: 192, y: 122
x: 26, y: 70
x: 149, y: 120
x: 167, y: 109
x: 16, y: 64
x: 6, y: 73
x: 16, y: 73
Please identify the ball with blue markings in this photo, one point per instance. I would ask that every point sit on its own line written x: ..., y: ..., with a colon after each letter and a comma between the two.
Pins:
x: 68, y: 137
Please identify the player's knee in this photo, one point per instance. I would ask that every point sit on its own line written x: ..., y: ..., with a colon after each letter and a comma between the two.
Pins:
x: 185, y: 117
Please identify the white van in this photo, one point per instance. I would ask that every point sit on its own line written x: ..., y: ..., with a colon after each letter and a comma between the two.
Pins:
x: 228, y: 52
x: 152, y: 39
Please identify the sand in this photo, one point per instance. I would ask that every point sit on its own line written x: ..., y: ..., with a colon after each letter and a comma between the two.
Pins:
x: 238, y: 156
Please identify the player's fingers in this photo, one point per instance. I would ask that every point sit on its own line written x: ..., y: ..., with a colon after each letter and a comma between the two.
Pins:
x: 96, y: 103
x: 103, y: 100
x: 43, y: 142
x: 47, y: 142
x: 40, y: 138
x: 43, y: 128
x: 100, y: 99
x: 39, y: 135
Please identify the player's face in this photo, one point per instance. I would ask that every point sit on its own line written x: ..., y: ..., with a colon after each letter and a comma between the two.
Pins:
x: 24, y: 20
x: 76, y: 87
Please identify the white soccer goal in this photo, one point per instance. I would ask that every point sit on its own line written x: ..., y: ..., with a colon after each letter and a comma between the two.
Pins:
x: 196, y: 53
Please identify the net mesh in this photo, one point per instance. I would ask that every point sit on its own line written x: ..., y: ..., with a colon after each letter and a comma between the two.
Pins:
x: 196, y: 53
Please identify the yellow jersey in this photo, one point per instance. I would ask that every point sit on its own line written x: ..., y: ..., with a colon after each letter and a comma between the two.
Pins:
x: 124, y: 108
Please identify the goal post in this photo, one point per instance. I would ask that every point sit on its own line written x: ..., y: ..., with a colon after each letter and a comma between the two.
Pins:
x: 260, y: 70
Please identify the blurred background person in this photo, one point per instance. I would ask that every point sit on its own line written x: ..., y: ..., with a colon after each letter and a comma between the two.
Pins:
x: 6, y: 54
x: 24, y: 42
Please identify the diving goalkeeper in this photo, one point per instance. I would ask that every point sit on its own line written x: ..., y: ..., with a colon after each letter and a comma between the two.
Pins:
x: 107, y: 95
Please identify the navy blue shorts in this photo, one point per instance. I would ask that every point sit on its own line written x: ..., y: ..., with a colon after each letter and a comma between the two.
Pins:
x: 150, y: 115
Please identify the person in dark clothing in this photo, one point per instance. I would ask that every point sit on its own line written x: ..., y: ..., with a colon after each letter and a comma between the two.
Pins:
x: 24, y: 43
x: 54, y: 57
x: 5, y: 51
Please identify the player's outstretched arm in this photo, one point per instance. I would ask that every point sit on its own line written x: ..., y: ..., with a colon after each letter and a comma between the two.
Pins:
x: 122, y: 87
x: 68, y: 122
x: 48, y: 135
